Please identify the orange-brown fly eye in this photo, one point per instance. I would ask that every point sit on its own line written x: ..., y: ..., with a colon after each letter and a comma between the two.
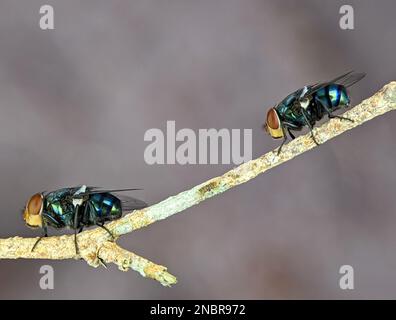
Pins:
x: 35, y: 204
x: 272, y: 119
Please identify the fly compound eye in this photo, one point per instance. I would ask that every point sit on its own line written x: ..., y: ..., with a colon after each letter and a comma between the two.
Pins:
x: 35, y: 204
x: 272, y: 119
x: 273, y: 124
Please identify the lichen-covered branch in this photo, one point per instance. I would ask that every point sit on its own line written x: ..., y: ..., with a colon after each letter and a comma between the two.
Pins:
x: 95, y: 247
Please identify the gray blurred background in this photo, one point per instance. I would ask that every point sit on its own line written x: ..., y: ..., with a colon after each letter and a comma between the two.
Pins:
x: 76, y: 101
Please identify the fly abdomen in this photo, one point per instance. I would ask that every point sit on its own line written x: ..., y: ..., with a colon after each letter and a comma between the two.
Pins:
x: 333, y: 96
x: 106, y: 206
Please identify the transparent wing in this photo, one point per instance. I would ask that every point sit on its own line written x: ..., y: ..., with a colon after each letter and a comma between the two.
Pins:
x: 348, y: 79
x: 130, y: 203
x: 94, y: 190
x: 351, y: 79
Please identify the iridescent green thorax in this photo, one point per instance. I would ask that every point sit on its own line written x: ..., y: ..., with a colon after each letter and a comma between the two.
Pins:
x: 59, y: 208
x: 289, y: 111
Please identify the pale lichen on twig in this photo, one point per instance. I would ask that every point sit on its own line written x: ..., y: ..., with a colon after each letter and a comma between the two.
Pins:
x: 95, y: 245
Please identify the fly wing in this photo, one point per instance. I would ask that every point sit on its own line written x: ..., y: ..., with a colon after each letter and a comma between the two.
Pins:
x: 129, y: 204
x: 348, y: 79
x: 351, y: 79
x: 95, y: 190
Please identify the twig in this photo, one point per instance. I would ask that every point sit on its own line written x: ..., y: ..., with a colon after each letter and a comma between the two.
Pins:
x: 95, y: 247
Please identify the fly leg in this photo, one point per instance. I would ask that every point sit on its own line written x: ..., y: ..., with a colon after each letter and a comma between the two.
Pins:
x: 330, y: 115
x: 75, y: 226
x: 283, y: 142
x: 309, y: 126
x: 88, y: 218
x: 108, y: 231
x: 285, y: 138
x: 291, y: 134
x: 94, y: 219
x: 39, y: 239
